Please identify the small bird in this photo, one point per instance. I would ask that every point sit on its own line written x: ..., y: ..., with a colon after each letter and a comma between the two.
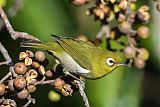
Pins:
x: 79, y: 57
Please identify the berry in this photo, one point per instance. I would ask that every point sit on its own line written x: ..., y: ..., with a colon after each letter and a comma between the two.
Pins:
x: 59, y: 83
x: 130, y: 52
x: 143, y: 54
x: 143, y: 32
x: 28, y: 61
x: 79, y: 2
x: 48, y: 73
x: 125, y: 27
x: 2, y: 89
x: 139, y: 63
x: 22, y: 55
x: 23, y: 94
x: 67, y: 90
x: 32, y: 73
x: 20, y: 68
x: 20, y: 82
x: 35, y: 64
x: 31, y: 88
x: 40, y: 56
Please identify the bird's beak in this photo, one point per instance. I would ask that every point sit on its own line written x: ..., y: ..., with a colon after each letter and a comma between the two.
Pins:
x: 122, y: 64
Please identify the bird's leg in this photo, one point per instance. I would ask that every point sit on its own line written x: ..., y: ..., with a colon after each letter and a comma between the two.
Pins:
x: 68, y: 73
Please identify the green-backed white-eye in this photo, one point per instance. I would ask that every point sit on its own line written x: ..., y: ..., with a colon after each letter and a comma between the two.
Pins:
x: 79, y: 57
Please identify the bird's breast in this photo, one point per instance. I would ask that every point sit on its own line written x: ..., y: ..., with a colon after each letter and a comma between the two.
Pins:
x: 71, y: 65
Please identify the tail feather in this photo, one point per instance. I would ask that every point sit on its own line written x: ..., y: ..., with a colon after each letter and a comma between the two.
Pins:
x: 49, y: 46
x: 35, y: 44
x: 31, y: 43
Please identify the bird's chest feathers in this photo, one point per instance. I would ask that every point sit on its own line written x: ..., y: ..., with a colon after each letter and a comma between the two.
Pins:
x: 71, y: 65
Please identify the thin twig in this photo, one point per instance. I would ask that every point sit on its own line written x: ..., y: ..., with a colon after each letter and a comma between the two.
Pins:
x: 128, y: 12
x: 8, y: 60
x: 129, y: 7
x: 11, y: 69
x: 12, y: 11
x: 5, y: 53
x: 3, y: 63
x: 14, y: 34
x: 28, y: 103
x: 105, y: 29
x: 30, y: 100
x: 15, y: 8
x: 6, y: 77
x: 44, y: 82
x: 82, y: 93
x: 43, y: 79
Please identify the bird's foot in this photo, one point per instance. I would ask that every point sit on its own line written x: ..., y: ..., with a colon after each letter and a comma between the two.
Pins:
x: 79, y: 81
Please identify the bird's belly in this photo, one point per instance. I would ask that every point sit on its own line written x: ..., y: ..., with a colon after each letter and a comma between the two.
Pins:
x: 71, y: 65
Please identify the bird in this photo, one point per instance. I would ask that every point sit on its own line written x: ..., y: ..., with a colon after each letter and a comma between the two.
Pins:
x: 79, y: 57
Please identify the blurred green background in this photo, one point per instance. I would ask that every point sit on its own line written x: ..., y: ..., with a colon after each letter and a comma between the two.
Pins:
x: 126, y: 87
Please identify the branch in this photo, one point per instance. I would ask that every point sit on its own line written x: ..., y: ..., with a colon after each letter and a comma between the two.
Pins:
x: 105, y: 29
x: 6, y: 77
x: 5, y: 54
x: 14, y: 34
x: 82, y: 93
x: 44, y: 82
x: 7, y: 62
x: 12, y: 11
x: 30, y: 100
x: 16, y: 7
x: 3, y: 63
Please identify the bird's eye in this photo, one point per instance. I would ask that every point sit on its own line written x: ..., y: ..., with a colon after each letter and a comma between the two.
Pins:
x: 110, y: 61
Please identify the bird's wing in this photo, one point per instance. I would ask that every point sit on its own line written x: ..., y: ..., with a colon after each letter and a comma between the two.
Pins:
x: 80, y: 51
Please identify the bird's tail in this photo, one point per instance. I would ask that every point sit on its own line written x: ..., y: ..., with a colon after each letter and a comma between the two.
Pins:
x: 36, y: 44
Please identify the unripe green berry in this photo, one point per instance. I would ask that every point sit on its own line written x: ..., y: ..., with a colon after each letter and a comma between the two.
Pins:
x: 54, y: 96
x: 35, y: 64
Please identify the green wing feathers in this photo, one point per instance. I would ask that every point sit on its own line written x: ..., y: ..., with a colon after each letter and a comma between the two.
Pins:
x: 80, y: 51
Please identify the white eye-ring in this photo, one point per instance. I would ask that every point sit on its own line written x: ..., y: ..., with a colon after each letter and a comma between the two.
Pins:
x: 110, y: 61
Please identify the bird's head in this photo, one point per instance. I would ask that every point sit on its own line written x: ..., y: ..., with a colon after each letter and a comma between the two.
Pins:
x: 105, y: 63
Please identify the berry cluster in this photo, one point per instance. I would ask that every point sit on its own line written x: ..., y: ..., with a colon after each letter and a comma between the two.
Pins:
x: 31, y: 71
x: 129, y: 27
